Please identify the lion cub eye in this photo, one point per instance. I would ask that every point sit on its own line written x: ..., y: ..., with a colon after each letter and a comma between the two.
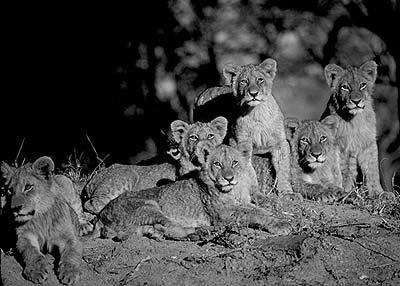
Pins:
x: 260, y: 80
x: 235, y: 163
x: 363, y: 85
x: 345, y: 87
x: 304, y: 140
x: 323, y: 139
x: 193, y: 137
x: 217, y: 164
x: 243, y: 82
x: 210, y: 136
x: 28, y: 188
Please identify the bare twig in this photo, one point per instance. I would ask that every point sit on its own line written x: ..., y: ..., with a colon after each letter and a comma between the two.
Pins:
x: 19, y: 151
x: 94, y: 149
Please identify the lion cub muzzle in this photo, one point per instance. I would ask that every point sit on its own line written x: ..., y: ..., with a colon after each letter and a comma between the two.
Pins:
x: 20, y: 213
x: 316, y: 155
x: 227, y: 180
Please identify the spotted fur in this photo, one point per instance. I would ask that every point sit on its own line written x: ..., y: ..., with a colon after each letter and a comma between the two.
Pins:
x: 219, y: 194
x: 190, y: 139
x: 44, y: 221
x: 351, y: 102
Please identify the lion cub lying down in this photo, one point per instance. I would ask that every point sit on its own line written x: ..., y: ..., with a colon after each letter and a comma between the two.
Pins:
x: 220, y: 193
x: 116, y: 179
x: 315, y: 164
x: 44, y: 221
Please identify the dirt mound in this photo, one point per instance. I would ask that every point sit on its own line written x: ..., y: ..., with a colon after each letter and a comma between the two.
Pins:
x: 333, y: 245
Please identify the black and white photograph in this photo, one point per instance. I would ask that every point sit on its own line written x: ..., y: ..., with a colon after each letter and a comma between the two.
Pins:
x: 216, y: 142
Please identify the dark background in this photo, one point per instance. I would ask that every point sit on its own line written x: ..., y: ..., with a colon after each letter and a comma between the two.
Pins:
x: 118, y: 75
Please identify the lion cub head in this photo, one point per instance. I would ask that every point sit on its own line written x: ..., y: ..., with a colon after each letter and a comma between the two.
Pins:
x: 193, y: 139
x: 312, y: 142
x: 29, y: 188
x: 351, y: 87
x: 251, y: 84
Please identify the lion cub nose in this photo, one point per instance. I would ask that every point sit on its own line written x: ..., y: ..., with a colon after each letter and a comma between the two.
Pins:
x: 253, y: 93
x: 356, y: 101
x: 229, y: 178
x: 316, y: 152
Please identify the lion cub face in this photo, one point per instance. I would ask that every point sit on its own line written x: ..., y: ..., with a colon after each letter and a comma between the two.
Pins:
x: 251, y: 84
x: 352, y: 87
x: 192, y: 139
x: 312, y: 141
x: 26, y: 186
x: 227, y: 166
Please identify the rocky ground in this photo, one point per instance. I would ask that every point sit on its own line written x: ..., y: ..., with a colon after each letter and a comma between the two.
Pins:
x: 341, y: 244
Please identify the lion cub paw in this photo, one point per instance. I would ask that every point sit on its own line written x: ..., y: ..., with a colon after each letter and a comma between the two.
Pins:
x: 295, y: 197
x: 37, y: 271
x: 68, y: 273
x: 330, y: 195
x: 387, y: 197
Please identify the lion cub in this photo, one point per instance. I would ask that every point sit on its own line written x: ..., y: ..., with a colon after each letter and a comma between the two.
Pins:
x: 351, y: 102
x: 44, y: 221
x: 190, y: 139
x: 219, y: 193
x: 315, y: 159
x: 256, y: 114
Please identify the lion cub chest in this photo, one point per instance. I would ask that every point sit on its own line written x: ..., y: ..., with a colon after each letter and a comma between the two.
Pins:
x: 263, y: 125
x: 357, y: 134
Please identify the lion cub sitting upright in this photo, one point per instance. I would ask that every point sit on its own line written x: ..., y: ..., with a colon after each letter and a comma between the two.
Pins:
x: 219, y: 193
x: 255, y: 114
x: 44, y: 221
x: 352, y: 103
x: 315, y: 159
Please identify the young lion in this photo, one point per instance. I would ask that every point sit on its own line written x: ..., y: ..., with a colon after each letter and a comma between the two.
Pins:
x: 220, y: 193
x: 257, y: 116
x: 352, y: 104
x: 116, y: 179
x: 315, y: 159
x: 44, y: 221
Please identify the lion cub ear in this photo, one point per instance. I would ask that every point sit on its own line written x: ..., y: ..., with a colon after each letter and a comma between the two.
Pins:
x: 178, y: 129
x: 230, y: 72
x: 291, y: 124
x: 220, y: 124
x: 245, y: 148
x: 369, y: 70
x: 44, y: 166
x: 269, y: 65
x: 7, y: 171
x: 331, y: 122
x: 332, y: 74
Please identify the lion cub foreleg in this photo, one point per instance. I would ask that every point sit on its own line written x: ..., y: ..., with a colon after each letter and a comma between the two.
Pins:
x: 349, y: 171
x: 36, y: 266
x: 256, y: 217
x: 70, y: 260
x: 281, y: 163
x: 368, y: 160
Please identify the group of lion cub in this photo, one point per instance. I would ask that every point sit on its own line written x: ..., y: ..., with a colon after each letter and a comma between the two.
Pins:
x: 215, y: 174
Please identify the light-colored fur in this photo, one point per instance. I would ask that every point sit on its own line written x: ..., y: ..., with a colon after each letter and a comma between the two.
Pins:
x: 315, y: 159
x: 220, y: 194
x: 257, y: 116
x: 117, y: 179
x: 44, y: 221
x: 356, y: 131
